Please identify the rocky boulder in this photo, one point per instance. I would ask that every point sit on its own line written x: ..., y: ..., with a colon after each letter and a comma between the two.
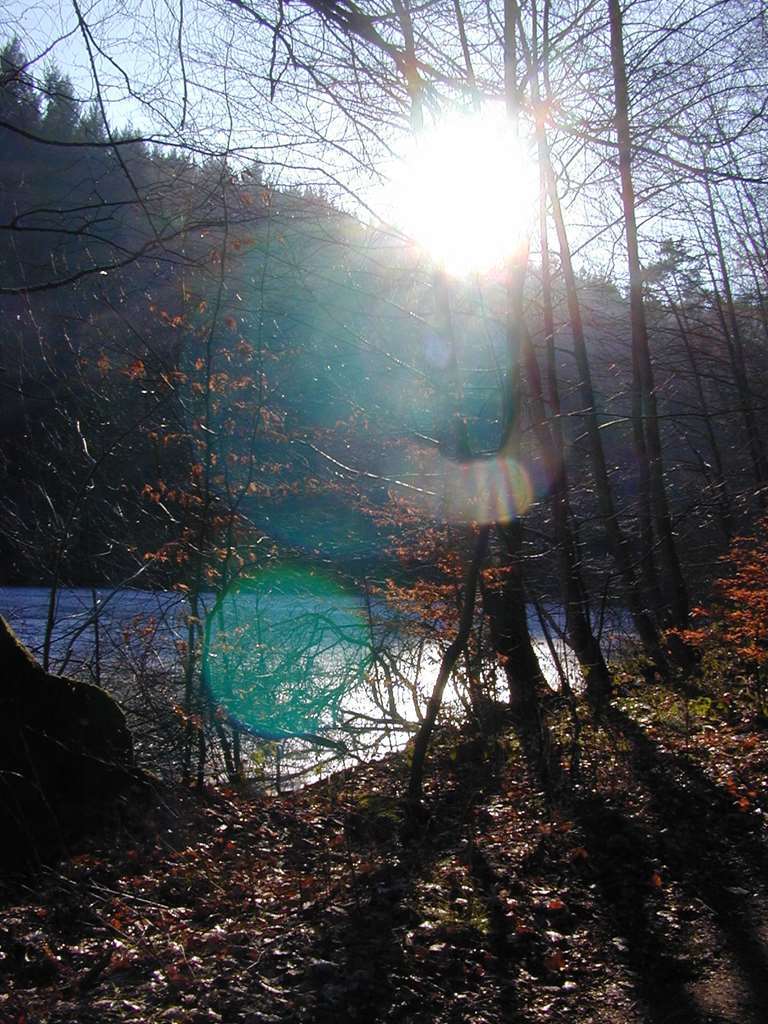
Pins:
x: 65, y: 756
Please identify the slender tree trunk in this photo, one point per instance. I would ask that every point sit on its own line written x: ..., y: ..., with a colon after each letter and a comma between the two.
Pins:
x: 454, y: 444
x: 447, y: 664
x: 735, y: 344
x: 521, y: 664
x: 646, y: 628
x: 647, y: 563
x: 466, y: 53
x: 505, y: 606
x: 408, y: 66
x: 650, y: 449
x: 190, y: 669
x: 511, y: 631
x: 721, y: 487
x: 597, y: 678
x: 578, y: 629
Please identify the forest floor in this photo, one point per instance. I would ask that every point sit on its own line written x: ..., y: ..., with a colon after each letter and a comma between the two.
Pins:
x: 639, y: 897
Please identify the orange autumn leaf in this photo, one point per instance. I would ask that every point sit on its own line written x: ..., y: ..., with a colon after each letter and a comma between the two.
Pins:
x: 554, y: 962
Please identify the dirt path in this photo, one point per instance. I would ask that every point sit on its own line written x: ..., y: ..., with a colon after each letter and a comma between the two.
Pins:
x: 639, y: 898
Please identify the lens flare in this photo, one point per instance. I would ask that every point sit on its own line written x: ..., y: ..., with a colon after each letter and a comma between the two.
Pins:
x: 465, y: 190
x: 495, y: 490
x: 283, y: 649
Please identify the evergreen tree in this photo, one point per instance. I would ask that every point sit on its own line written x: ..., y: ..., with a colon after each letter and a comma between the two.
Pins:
x: 19, y: 102
x: 62, y: 111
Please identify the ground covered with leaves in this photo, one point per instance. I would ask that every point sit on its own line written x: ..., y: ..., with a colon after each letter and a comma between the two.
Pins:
x: 638, y: 896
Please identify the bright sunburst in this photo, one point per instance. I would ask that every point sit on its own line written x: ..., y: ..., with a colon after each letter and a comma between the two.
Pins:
x: 465, y: 191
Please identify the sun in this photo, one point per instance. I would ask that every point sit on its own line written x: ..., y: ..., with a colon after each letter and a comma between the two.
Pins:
x: 465, y: 191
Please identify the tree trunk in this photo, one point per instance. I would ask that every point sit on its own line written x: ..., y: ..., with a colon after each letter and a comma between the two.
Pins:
x: 646, y: 628
x: 735, y: 344
x: 597, y: 678
x: 721, y: 487
x: 451, y: 656
x: 649, y: 448
x: 578, y: 629
x: 505, y: 606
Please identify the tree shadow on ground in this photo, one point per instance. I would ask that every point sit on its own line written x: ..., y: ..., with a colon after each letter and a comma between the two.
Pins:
x: 380, y: 956
x: 623, y: 860
x: 711, y: 853
x: 383, y: 959
x: 710, y: 847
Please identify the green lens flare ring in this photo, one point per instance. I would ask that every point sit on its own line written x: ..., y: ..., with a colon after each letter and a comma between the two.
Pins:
x: 283, y: 649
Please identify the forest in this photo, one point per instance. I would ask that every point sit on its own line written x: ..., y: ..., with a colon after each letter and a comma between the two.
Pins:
x: 383, y: 557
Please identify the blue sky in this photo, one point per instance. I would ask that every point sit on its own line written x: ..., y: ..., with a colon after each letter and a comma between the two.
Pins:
x: 132, y: 35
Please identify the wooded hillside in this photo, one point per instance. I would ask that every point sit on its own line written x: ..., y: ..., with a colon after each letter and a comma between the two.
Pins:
x: 412, y: 361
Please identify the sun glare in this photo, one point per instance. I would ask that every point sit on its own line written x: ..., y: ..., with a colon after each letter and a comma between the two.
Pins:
x: 465, y: 191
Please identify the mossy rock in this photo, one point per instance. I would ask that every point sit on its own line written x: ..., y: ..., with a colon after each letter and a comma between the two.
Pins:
x: 66, y: 755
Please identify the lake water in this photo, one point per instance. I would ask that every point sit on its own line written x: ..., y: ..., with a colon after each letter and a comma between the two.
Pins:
x: 85, y: 619
x: 117, y: 621
x: 138, y: 635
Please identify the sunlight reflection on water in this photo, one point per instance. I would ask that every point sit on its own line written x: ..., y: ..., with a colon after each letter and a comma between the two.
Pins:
x: 140, y: 631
